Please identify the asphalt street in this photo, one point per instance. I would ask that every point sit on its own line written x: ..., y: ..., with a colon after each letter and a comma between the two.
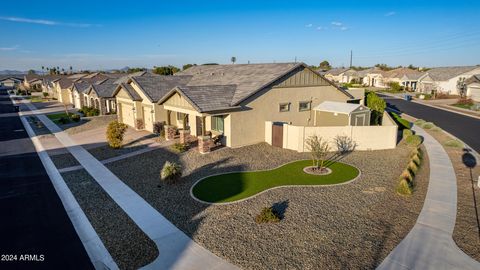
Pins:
x: 36, y: 232
x: 463, y: 127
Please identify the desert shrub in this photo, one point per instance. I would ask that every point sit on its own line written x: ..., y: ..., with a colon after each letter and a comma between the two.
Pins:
x: 401, y: 123
x: 404, y: 187
x: 89, y: 111
x: 417, y: 159
x: 416, y: 152
x: 171, y: 172
x: 453, y: 143
x: 406, y: 174
x: 115, y: 133
x: 414, y: 140
x: 377, y: 105
x: 63, y: 120
x: 413, y: 167
x: 344, y: 144
x: 179, y: 147
x: 407, y: 132
x: 139, y: 124
x: 158, y: 127
x: 395, y: 87
x: 267, y: 215
x: 428, y: 125
x: 45, y: 94
x: 419, y: 122
x: 75, y: 118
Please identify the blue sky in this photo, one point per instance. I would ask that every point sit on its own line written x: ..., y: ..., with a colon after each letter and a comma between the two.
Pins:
x: 112, y: 34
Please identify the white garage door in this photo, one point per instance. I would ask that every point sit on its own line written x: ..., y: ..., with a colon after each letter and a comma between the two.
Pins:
x: 147, y: 117
x: 475, y: 93
x: 77, y: 101
x: 127, y: 114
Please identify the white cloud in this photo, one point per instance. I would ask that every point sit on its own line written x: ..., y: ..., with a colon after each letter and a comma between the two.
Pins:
x: 343, y: 28
x: 45, y: 22
x: 321, y: 28
x: 337, y: 23
x: 309, y: 25
x: 391, y: 13
x: 13, y: 48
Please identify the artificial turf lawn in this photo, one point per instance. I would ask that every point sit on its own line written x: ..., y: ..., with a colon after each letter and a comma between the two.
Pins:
x: 231, y: 187
x: 56, y: 116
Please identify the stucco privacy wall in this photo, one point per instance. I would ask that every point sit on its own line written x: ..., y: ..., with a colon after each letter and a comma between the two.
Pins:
x: 366, y: 137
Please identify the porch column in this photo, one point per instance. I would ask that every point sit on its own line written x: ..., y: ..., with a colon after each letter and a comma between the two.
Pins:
x: 204, y: 130
x: 169, y: 113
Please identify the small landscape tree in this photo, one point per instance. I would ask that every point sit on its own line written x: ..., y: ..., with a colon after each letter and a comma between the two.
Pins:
x: 115, y: 133
x: 318, y: 148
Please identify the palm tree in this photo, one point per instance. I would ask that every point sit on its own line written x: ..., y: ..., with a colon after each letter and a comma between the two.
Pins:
x: 71, y: 69
x: 233, y: 59
x: 43, y: 70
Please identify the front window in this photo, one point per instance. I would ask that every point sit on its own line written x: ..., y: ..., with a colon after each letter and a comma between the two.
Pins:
x: 284, y: 107
x: 304, y: 106
x: 218, y: 123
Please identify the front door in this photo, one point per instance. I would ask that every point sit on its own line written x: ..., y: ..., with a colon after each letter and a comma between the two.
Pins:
x: 277, y: 135
x: 147, y: 117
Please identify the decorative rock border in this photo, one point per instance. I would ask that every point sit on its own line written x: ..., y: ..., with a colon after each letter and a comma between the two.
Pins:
x: 306, y: 170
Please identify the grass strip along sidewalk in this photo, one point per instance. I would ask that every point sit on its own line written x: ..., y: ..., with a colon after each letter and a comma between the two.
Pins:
x: 235, y: 186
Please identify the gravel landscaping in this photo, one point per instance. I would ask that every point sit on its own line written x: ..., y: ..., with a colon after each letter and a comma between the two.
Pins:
x: 64, y: 160
x: 88, y: 123
x: 128, y: 245
x: 347, y: 226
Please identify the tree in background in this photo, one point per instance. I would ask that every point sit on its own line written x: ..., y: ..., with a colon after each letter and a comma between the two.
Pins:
x: 377, y: 105
x: 71, y: 70
x: 43, y: 70
x: 132, y: 70
x: 325, y: 65
x: 31, y: 71
x: 210, y: 64
x: 165, y: 70
x: 383, y: 67
x: 187, y: 66
x: 233, y: 59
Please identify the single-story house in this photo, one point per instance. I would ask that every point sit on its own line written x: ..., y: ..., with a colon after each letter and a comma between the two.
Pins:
x: 63, y: 90
x: 100, y: 96
x: 445, y: 79
x: 334, y: 113
x: 473, y: 87
x: 10, y: 81
x: 32, y: 81
x: 403, y: 76
x: 237, y: 100
x: 342, y: 75
x: 79, y: 89
x: 373, y: 77
x: 48, y: 84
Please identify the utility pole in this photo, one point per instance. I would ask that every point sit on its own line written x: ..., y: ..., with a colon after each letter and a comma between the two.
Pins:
x: 351, y: 57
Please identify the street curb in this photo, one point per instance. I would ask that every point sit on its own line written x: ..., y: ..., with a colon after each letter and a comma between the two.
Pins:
x: 96, y: 250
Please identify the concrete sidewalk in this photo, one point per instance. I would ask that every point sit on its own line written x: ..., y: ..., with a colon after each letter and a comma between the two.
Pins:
x: 176, y: 250
x: 429, y: 245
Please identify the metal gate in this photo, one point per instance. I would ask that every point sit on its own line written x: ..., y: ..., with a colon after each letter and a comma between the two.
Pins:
x: 277, y: 135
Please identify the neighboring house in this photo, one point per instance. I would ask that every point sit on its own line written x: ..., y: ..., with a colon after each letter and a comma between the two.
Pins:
x: 333, y: 113
x: 403, y: 76
x: 79, y: 89
x: 473, y: 87
x: 48, y: 84
x: 343, y: 75
x: 232, y: 100
x: 445, y: 79
x: 100, y: 96
x: 373, y: 77
x: 32, y: 81
x: 63, y: 90
x: 10, y: 81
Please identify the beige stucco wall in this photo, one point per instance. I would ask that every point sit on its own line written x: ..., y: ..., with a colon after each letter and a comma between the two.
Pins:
x: 331, y: 119
x: 248, y: 126
x: 366, y: 137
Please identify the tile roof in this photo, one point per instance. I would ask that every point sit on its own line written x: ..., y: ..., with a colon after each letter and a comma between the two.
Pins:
x: 127, y: 87
x: 82, y: 87
x: 31, y: 77
x: 473, y: 79
x: 336, y: 71
x: 65, y: 83
x: 209, y: 97
x: 105, y: 90
x: 446, y: 73
x: 77, y: 76
x: 400, y: 72
x: 157, y: 86
x: 248, y: 78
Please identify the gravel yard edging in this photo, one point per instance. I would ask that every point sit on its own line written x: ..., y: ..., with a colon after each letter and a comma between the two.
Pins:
x: 259, y: 193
